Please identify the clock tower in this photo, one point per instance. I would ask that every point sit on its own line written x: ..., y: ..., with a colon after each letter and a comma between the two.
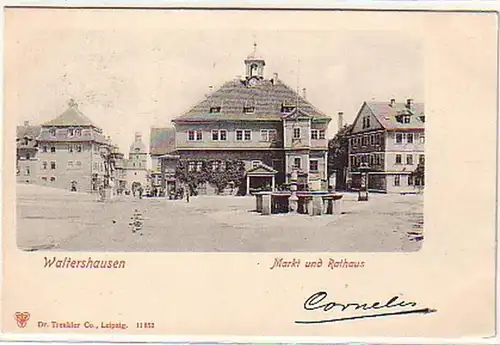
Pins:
x: 254, y: 66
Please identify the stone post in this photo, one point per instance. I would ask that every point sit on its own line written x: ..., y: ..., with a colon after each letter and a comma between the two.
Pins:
x: 258, y: 202
x: 266, y: 204
x: 316, y: 204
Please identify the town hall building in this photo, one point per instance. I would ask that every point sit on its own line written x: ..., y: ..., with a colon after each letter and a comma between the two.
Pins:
x: 262, y: 122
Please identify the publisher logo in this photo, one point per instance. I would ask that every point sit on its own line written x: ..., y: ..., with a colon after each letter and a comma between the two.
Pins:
x: 22, y: 319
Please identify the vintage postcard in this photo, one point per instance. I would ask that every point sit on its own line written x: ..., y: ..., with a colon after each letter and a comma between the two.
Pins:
x: 253, y: 172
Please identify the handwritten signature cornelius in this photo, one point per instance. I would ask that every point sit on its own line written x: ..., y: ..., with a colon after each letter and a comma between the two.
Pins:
x: 318, y: 302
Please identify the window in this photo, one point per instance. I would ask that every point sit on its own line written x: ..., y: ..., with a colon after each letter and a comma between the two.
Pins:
x: 52, y: 132
x: 96, y: 148
x: 399, y: 138
x: 422, y: 138
x: 398, y: 159
x: 222, y: 166
x: 422, y: 118
x: 372, y: 139
x: 365, y: 141
x: 421, y: 159
x: 95, y: 166
x: 70, y: 148
x: 27, y: 171
x: 53, y: 149
x: 366, y: 122
x: 199, y: 166
x: 79, y: 148
x: 71, y: 132
x: 70, y: 164
x: 215, y: 110
x: 191, y: 166
x: 78, y: 132
x: 372, y: 160
x: 52, y: 179
x: 314, y: 134
x: 248, y: 135
x: 409, y: 159
x: 195, y: 135
x: 296, y: 133
x: 406, y: 119
x: 313, y: 165
x: 219, y: 134
x: 243, y: 134
x: 215, y: 165
x: 268, y: 134
x: 409, y: 138
x: 44, y: 148
x: 296, y: 162
x: 377, y: 138
x: 397, y: 180
x: 249, y: 107
x: 317, y: 134
x: 255, y: 164
x: 78, y: 164
x: 53, y: 165
x: 410, y: 180
x: 44, y: 178
x: 44, y: 165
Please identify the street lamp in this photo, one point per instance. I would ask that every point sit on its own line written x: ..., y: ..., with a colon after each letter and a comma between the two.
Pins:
x: 364, y: 168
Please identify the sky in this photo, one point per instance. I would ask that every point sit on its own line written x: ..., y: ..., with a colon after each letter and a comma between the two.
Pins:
x: 133, y: 70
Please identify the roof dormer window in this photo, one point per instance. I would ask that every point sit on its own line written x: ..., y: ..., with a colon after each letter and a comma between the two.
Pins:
x: 215, y: 110
x: 52, y: 132
x: 287, y: 107
x: 422, y: 118
x: 403, y: 118
x: 249, y: 107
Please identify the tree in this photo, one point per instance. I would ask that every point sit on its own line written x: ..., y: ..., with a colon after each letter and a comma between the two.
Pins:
x: 218, y: 173
x: 338, y: 155
x: 419, y: 174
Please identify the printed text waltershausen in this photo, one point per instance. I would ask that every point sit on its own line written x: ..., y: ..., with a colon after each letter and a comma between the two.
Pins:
x: 89, y: 263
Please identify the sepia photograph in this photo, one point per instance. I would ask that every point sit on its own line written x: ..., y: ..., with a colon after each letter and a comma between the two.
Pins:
x: 178, y: 173
x: 166, y: 139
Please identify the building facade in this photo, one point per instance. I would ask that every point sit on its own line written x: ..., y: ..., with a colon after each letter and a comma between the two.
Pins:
x: 26, y: 153
x: 135, y: 167
x: 161, y: 142
x: 261, y: 122
x: 389, y: 137
x: 71, y: 152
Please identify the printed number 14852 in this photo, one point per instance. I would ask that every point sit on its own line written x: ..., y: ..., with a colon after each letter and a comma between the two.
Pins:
x: 145, y: 325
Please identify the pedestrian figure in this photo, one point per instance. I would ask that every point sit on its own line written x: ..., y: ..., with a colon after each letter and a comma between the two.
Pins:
x: 136, y: 222
x: 140, y: 192
x: 187, y: 193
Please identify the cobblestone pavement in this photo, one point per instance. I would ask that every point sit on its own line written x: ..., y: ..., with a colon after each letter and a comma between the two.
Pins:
x: 55, y: 219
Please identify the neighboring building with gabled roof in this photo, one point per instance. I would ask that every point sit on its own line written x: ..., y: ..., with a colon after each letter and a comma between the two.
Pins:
x: 70, y: 152
x: 389, y: 137
x: 257, y: 120
x: 161, y: 142
x: 26, y: 152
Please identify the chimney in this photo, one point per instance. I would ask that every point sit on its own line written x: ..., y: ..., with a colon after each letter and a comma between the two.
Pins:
x: 393, y: 102
x: 304, y: 93
x: 409, y: 103
x: 341, y: 120
x: 26, y: 123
